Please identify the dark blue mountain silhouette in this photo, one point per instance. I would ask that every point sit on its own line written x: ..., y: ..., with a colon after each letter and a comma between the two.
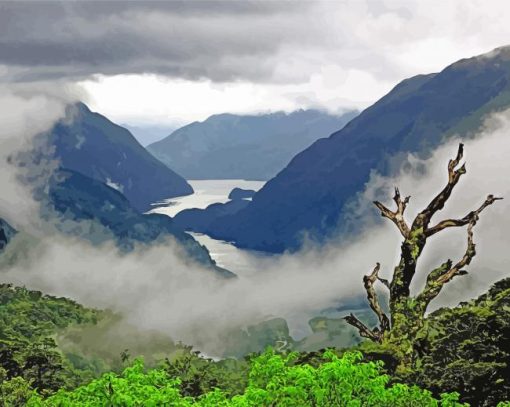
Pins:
x: 310, y: 194
x: 239, y: 193
x: 92, y: 145
x: 198, y: 220
x: 7, y: 232
x: 255, y: 147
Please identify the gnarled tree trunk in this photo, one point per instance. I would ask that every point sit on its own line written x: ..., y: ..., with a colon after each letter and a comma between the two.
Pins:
x: 407, y: 322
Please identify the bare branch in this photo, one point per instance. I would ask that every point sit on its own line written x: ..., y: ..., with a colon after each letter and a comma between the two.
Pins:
x: 466, y: 259
x: 439, y: 201
x: 368, y: 282
x: 445, y: 273
x: 465, y: 220
x: 364, y: 331
x: 396, y: 217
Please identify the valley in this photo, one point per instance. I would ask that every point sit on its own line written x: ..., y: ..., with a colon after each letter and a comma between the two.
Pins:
x: 254, y: 204
x: 208, y: 192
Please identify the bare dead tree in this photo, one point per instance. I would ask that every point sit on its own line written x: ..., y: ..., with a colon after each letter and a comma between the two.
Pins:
x: 407, y: 313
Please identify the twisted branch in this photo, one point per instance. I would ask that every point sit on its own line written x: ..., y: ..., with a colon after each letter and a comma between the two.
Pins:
x: 415, y: 240
x: 364, y: 331
x: 368, y: 282
x: 437, y: 278
x: 432, y: 286
x: 466, y: 259
x: 396, y: 217
x: 465, y: 220
x: 384, y: 322
x: 439, y: 201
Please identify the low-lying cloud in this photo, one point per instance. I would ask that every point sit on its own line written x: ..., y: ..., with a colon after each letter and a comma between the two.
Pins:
x: 157, y: 288
x: 27, y: 111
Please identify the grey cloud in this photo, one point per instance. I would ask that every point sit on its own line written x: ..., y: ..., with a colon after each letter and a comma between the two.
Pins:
x: 257, y: 41
x: 217, y: 40
x: 27, y: 110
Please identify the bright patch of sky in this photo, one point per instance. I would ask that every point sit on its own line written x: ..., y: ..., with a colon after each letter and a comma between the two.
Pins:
x: 170, y: 63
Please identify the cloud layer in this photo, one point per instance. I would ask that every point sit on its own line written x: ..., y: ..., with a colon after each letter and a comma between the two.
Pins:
x: 170, y: 62
x: 256, y: 40
x: 156, y: 288
x: 27, y: 110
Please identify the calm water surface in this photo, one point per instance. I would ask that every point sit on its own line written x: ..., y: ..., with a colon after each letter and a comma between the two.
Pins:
x: 207, y: 192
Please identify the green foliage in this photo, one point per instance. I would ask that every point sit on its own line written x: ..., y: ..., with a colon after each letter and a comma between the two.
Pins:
x: 30, y: 314
x: 28, y: 353
x: 274, y: 380
x: 133, y: 388
x: 15, y: 392
x: 199, y: 375
x: 464, y: 350
x: 468, y: 349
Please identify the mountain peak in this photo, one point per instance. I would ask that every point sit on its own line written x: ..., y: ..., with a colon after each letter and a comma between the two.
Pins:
x: 92, y: 145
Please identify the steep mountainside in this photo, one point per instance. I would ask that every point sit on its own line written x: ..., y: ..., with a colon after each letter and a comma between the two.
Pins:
x: 418, y: 114
x: 94, y: 146
x: 229, y: 146
x: 6, y: 233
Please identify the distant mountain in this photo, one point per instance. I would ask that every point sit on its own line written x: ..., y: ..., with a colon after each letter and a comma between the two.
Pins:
x: 254, y: 147
x: 79, y: 198
x: 7, y: 232
x: 310, y: 194
x: 146, y: 135
x: 92, y: 145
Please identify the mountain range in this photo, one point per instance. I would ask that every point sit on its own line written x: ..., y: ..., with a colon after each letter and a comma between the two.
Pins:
x: 309, y: 196
x: 252, y: 147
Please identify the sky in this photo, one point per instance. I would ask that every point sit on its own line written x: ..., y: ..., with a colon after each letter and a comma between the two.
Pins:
x: 169, y: 63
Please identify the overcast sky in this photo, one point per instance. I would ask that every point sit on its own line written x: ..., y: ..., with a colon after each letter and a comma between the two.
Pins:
x: 168, y: 63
